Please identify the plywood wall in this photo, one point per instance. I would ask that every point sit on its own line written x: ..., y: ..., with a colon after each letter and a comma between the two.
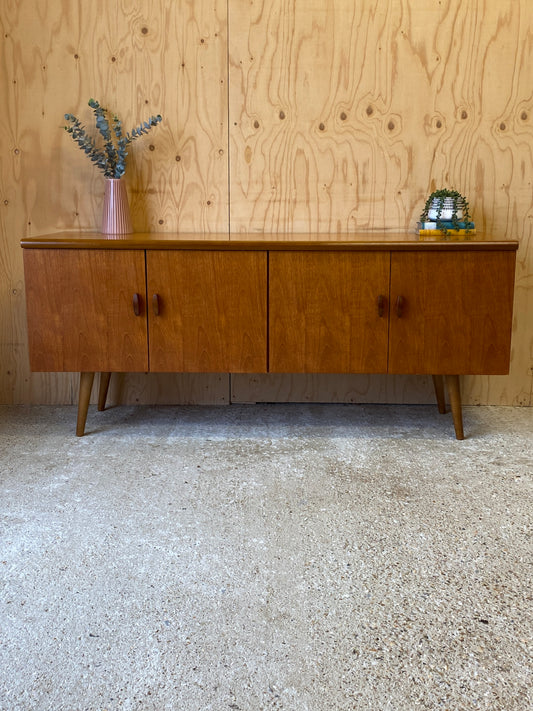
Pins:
x: 321, y: 116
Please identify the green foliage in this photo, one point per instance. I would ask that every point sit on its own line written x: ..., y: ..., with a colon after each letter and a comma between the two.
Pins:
x: 109, y: 155
x: 459, y: 203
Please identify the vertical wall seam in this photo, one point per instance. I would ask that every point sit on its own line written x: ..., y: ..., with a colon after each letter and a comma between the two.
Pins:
x: 228, y: 115
x: 230, y: 379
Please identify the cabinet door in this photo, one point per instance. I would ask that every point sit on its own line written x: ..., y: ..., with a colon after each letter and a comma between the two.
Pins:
x: 81, y: 315
x: 454, y: 314
x: 208, y: 311
x: 328, y: 312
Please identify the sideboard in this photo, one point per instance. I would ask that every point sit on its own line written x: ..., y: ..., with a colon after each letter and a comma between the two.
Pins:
x: 373, y: 303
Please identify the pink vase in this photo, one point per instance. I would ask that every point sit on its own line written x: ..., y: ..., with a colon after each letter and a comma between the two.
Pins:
x: 116, y: 217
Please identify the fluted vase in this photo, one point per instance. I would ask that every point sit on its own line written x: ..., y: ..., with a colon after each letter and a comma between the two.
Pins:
x: 116, y: 218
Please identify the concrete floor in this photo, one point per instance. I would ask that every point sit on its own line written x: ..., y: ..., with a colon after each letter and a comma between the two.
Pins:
x: 313, y: 557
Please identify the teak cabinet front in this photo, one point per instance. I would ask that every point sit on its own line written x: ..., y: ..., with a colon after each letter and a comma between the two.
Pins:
x: 328, y: 312
x: 109, y: 311
x: 149, y: 305
x: 391, y: 312
x: 207, y: 311
x: 451, y: 312
x: 80, y: 310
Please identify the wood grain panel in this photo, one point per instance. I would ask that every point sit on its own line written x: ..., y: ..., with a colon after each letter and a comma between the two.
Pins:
x: 353, y: 388
x: 323, y: 134
x: 80, y: 310
x: 344, y: 115
x: 455, y: 313
x: 328, y: 312
x: 211, y: 311
x: 169, y: 389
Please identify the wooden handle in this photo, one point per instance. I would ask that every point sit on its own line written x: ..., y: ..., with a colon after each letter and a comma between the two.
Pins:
x: 381, y: 305
x: 400, y: 303
x: 136, y: 304
x: 155, y: 304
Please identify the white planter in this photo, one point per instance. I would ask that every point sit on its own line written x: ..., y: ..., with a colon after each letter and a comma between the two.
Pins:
x: 446, y: 212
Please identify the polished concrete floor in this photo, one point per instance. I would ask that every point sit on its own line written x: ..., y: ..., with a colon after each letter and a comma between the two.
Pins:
x: 313, y: 557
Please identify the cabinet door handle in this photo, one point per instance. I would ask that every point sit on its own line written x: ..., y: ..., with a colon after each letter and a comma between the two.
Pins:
x: 381, y: 305
x: 136, y: 304
x: 400, y: 303
x: 155, y: 304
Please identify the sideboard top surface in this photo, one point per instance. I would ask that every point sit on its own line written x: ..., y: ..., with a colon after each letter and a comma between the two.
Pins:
x: 364, y: 241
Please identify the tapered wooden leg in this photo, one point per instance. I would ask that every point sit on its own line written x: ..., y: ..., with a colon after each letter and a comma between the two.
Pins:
x: 102, y: 392
x: 86, y: 385
x: 454, y: 391
x: 438, y: 384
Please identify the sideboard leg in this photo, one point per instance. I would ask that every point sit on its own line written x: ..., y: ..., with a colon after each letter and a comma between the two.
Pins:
x: 452, y: 381
x: 102, y: 392
x: 438, y: 384
x: 86, y: 385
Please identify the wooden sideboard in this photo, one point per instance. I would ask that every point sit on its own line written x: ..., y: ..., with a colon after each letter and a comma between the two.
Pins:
x: 378, y: 303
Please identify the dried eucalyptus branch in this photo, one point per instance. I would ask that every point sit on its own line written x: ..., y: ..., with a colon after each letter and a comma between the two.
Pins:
x: 110, y: 157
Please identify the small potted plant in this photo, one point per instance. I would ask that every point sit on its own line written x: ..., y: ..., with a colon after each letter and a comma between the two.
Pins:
x: 446, y: 210
x: 109, y: 156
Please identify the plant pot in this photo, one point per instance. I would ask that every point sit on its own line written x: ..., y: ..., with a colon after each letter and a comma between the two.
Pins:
x: 446, y: 206
x: 116, y: 218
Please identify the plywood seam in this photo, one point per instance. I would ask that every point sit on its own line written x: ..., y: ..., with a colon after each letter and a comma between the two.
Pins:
x: 228, y: 132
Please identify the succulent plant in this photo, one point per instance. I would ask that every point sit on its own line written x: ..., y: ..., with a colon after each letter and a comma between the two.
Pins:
x: 442, y: 199
x: 110, y: 154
